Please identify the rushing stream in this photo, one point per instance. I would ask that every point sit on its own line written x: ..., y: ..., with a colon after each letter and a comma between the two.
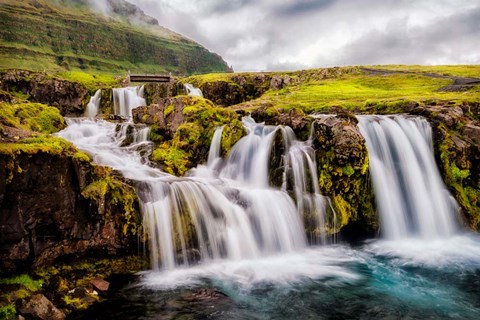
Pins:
x: 250, y: 257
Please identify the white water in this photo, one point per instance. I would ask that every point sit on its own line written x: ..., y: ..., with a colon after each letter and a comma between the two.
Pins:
x: 411, y: 197
x: 94, y: 104
x: 193, y: 91
x: 127, y: 99
x: 231, y: 213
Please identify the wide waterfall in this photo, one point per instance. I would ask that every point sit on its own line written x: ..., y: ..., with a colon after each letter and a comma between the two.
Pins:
x: 126, y: 99
x: 225, y: 210
x: 94, y: 104
x: 411, y: 197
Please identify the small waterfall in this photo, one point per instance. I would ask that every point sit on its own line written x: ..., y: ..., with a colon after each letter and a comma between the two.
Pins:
x: 300, y: 161
x: 126, y: 99
x: 232, y: 213
x: 192, y: 91
x: 94, y: 104
x: 214, y: 153
x: 411, y: 197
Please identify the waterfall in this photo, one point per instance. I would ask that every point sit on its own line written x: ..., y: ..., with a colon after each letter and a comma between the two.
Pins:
x: 94, y: 104
x: 214, y: 153
x: 126, y: 99
x: 411, y: 197
x: 192, y: 91
x: 231, y: 214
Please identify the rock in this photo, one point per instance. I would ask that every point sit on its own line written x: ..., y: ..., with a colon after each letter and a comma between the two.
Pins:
x: 167, y: 115
x: 342, y: 162
x: 39, y: 307
x: 35, y: 233
x: 472, y: 132
x: 67, y: 96
x: 100, y: 285
x: 294, y: 118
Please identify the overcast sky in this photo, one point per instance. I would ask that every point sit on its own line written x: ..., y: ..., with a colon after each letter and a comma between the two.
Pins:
x: 267, y: 35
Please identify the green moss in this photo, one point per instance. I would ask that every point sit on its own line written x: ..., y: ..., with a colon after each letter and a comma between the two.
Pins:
x: 175, y: 161
x: 24, y: 280
x: 82, y: 157
x: 8, y: 312
x: 46, y: 144
x: 348, y: 170
x: 191, y: 141
x: 119, y: 196
x: 168, y: 110
x: 32, y: 116
x: 457, y: 175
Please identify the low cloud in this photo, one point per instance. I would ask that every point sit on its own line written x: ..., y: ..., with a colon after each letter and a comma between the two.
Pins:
x: 286, y: 35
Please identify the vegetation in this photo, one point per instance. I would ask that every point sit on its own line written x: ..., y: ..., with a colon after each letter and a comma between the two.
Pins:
x: 24, y: 280
x: 453, y: 70
x: 61, y: 36
x: 321, y: 90
x: 31, y: 116
x: 189, y: 144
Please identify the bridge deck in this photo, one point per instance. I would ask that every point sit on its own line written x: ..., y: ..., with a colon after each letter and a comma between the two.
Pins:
x: 149, y: 78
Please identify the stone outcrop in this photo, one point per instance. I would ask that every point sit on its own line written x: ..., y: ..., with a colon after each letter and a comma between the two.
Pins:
x: 68, y: 97
x: 457, y: 149
x: 342, y: 162
x: 166, y: 116
x: 38, y: 307
x: 241, y: 87
x: 56, y: 205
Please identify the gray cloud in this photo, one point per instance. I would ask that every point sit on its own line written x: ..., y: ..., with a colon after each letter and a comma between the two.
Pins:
x: 254, y: 35
x: 303, y: 7
x: 452, y: 39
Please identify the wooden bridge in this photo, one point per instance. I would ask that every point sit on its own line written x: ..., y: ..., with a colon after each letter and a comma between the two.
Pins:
x: 149, y: 78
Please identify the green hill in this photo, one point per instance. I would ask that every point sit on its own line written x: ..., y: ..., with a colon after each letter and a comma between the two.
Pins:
x: 59, y: 35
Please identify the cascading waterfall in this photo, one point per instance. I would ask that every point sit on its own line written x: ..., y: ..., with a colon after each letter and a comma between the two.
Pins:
x: 410, y: 195
x: 192, y: 91
x: 231, y: 213
x: 127, y: 99
x: 94, y: 104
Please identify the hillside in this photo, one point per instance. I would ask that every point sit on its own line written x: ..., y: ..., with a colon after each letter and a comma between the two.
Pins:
x: 54, y: 35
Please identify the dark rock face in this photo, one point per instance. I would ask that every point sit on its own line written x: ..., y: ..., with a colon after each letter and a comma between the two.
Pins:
x: 242, y: 87
x: 155, y: 92
x: 39, y: 307
x: 167, y: 115
x: 342, y: 162
x: 66, y: 96
x: 456, y: 137
x: 294, y: 118
x: 43, y: 214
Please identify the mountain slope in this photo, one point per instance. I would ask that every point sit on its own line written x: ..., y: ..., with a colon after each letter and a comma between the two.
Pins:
x: 55, y: 35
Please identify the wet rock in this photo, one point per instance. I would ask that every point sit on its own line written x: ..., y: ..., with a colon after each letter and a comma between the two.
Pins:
x: 167, y: 115
x: 100, y: 285
x: 472, y: 132
x: 39, y: 307
x: 294, y: 118
x: 67, y: 96
x: 35, y: 233
x: 342, y: 163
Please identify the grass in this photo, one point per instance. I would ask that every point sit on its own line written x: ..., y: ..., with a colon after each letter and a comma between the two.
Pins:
x: 48, y: 35
x: 356, y: 91
x: 449, y: 70
x: 24, y: 280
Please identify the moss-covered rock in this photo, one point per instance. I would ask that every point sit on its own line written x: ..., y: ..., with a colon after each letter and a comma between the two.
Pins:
x: 342, y: 162
x: 183, y: 128
x: 457, y: 145
x: 69, y: 97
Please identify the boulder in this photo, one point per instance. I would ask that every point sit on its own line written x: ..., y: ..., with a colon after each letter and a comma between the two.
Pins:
x: 66, y: 96
x: 38, y: 307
